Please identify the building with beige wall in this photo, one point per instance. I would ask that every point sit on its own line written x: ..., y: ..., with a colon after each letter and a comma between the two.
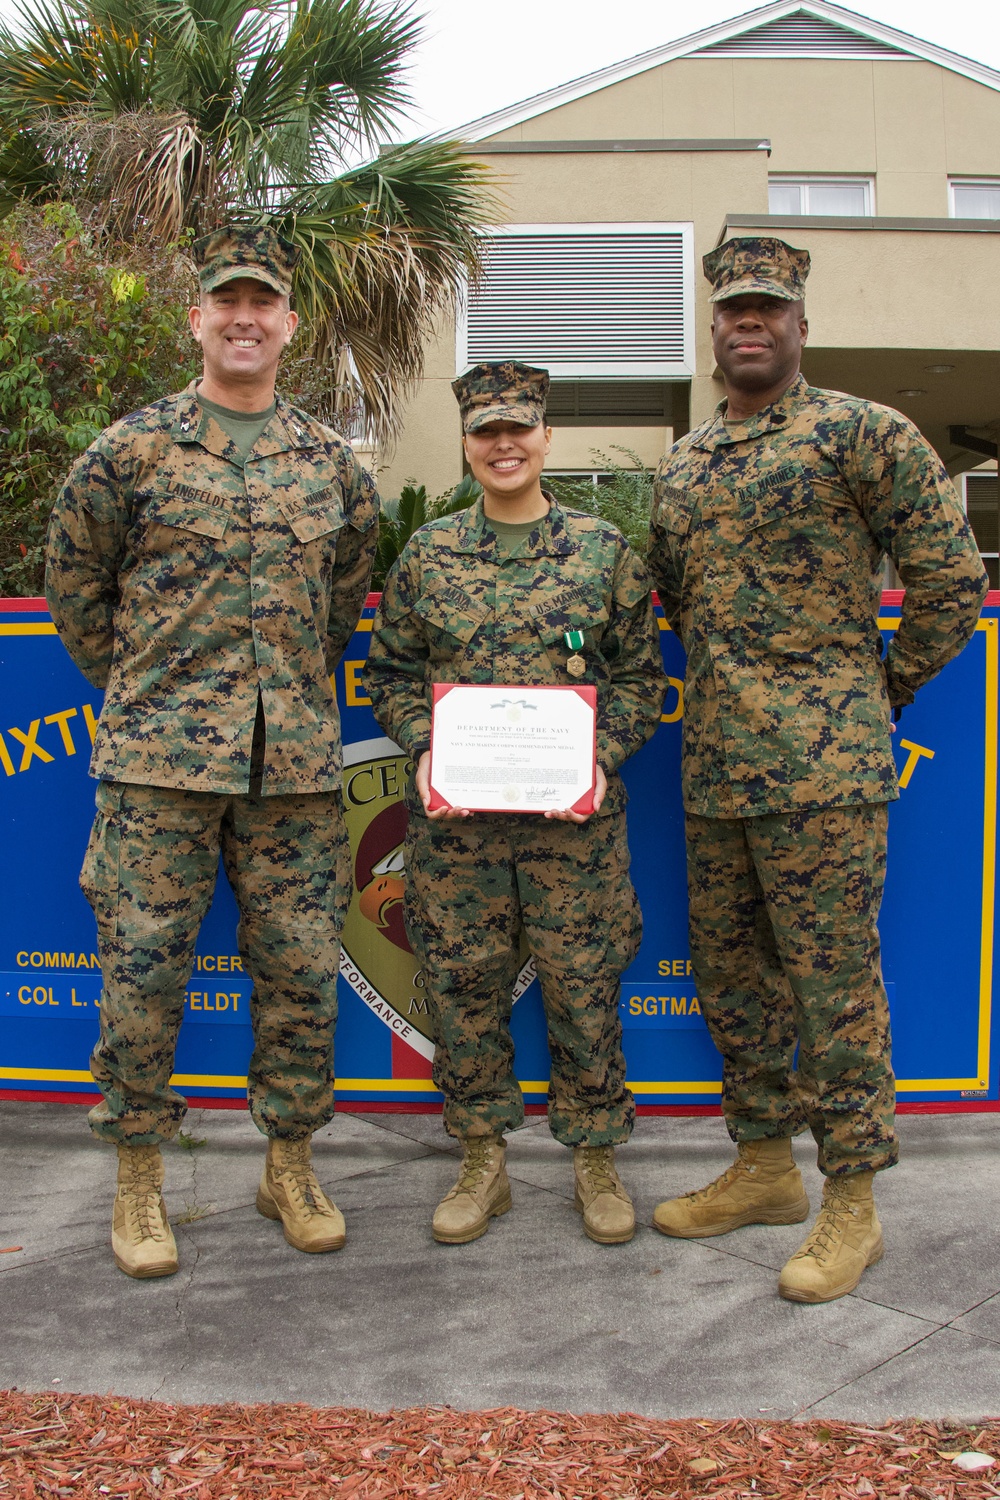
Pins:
x: 877, y: 152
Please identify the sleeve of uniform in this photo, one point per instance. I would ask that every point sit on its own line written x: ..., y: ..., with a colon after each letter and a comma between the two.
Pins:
x: 662, y: 557
x: 84, y: 551
x: 355, y: 557
x: 912, y: 508
x: 631, y: 706
x: 396, y: 672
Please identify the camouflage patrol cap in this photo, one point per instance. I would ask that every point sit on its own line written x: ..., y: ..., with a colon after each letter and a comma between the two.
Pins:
x: 501, y: 391
x: 235, y: 251
x: 762, y: 265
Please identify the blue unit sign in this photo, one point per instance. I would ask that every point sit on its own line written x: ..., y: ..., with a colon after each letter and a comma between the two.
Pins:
x: 938, y: 918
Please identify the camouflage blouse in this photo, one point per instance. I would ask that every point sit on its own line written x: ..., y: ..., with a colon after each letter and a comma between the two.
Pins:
x: 182, y: 580
x: 457, y: 609
x: 767, y: 547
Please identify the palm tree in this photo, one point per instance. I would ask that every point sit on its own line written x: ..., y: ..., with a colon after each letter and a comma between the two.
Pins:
x: 171, y: 117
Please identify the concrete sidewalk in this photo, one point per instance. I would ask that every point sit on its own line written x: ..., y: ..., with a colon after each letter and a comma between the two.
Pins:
x: 532, y: 1315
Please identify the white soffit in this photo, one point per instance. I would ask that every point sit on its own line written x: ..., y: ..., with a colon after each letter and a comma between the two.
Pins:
x: 819, y: 29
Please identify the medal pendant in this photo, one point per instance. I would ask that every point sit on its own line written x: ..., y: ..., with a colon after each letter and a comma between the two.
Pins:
x: 576, y: 666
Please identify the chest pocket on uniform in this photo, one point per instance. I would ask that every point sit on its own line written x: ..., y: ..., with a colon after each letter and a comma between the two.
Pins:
x: 779, y: 499
x: 205, y: 514
x: 575, y: 609
x: 317, y: 514
x: 675, y: 509
x: 452, y: 614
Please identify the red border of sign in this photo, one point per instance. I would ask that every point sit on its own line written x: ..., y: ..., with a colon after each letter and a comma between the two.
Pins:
x: 586, y: 691
x: 412, y: 1107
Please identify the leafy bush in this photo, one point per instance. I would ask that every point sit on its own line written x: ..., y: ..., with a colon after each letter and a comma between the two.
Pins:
x: 88, y: 333
x: 625, y: 499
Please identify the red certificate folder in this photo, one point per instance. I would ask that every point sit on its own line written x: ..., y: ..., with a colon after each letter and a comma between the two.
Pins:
x: 489, y: 699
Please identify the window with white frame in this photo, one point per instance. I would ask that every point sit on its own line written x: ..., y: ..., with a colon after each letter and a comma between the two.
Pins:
x: 848, y: 197
x: 974, y: 197
x: 981, y: 492
x: 585, y: 301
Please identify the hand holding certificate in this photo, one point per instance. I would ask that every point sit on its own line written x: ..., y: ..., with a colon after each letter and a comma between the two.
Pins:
x: 497, y: 748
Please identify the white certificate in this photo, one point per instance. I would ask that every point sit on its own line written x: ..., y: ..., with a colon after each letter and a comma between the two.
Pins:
x: 513, y: 749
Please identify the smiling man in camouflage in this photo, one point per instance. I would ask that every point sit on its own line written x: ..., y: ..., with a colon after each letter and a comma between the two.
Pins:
x: 208, y: 559
x: 770, y: 525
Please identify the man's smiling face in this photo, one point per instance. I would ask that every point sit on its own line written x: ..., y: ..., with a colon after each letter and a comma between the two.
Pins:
x: 242, y: 328
x: 757, y: 340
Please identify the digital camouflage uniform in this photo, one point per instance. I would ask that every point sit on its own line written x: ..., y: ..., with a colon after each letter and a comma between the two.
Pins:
x: 191, y: 588
x: 767, y: 547
x: 455, y: 609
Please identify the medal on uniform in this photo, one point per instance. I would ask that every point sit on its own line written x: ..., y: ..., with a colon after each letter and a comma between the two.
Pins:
x: 576, y: 666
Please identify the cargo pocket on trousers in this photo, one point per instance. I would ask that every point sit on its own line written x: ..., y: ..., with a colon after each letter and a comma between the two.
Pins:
x: 101, y: 873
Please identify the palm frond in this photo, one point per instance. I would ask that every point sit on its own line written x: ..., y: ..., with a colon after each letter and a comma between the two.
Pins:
x: 370, y: 296
x: 163, y: 116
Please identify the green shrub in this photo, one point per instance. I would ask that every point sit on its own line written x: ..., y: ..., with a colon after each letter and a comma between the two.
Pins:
x: 88, y: 333
x: 625, y: 499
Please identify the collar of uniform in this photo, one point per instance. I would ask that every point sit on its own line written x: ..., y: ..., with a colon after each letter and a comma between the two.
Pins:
x: 193, y: 424
x: 773, y: 418
x: 284, y: 431
x: 550, y: 537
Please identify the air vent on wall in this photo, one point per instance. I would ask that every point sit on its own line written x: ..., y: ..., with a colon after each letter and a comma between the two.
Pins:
x: 800, y: 35
x: 582, y: 300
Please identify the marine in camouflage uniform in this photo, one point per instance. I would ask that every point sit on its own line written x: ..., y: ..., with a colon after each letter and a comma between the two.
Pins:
x: 769, y: 532
x: 206, y: 567
x: 460, y: 608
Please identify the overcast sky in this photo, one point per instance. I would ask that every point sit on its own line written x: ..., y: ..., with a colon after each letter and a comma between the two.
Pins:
x: 478, y: 58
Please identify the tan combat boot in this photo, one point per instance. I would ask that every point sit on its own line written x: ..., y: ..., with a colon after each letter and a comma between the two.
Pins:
x: 481, y: 1193
x: 845, y: 1240
x: 290, y: 1192
x: 142, y: 1240
x: 608, y: 1215
x: 763, y: 1186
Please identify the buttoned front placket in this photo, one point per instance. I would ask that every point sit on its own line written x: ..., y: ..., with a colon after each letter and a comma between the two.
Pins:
x: 716, y: 587
x: 509, y: 585
x: 281, y: 612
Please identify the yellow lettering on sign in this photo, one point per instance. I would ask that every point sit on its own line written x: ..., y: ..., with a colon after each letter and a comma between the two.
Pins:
x: 62, y: 720
x: 352, y: 684
x: 31, y: 745
x: 916, y: 753
x: 5, y: 759
x: 674, y: 968
x: 677, y: 712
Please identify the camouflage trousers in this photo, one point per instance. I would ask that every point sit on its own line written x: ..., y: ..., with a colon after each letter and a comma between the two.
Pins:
x: 149, y: 874
x: 473, y: 887
x: 785, y: 951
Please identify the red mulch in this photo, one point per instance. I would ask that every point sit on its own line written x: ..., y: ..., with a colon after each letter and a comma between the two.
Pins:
x: 82, y: 1446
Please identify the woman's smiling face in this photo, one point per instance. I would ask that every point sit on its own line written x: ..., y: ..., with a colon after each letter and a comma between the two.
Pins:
x: 507, y: 458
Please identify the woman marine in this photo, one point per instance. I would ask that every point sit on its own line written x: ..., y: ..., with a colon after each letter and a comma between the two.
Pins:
x: 519, y: 591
